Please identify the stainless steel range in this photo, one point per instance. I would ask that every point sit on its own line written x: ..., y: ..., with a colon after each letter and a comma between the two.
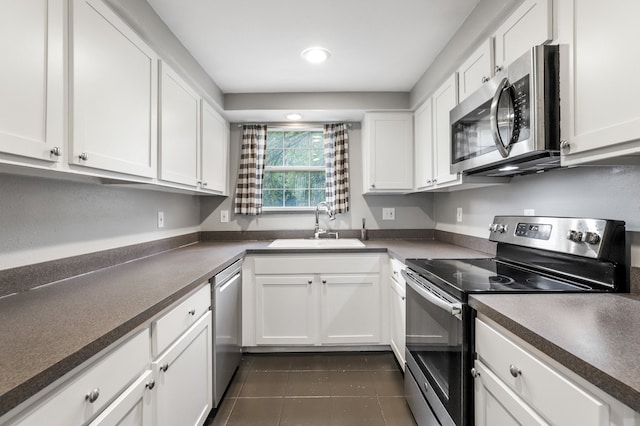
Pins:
x: 534, y: 254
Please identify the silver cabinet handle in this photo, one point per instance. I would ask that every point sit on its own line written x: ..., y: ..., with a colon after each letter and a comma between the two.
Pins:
x: 515, y: 371
x: 192, y: 312
x: 310, y: 282
x: 204, y: 183
x: 84, y: 156
x: 324, y: 281
x: 565, y: 146
x: 151, y: 384
x: 403, y: 297
x: 164, y: 367
x: 92, y: 396
x: 475, y: 373
x: 485, y: 79
x: 373, y: 185
x: 497, y: 68
x: 56, y: 150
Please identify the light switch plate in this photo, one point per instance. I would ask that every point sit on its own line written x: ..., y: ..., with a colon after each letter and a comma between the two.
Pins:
x: 388, y: 213
x: 224, y: 215
x: 160, y: 219
x: 459, y: 214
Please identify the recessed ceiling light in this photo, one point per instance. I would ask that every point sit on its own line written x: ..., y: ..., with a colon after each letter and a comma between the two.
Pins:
x: 316, y: 55
x: 294, y: 116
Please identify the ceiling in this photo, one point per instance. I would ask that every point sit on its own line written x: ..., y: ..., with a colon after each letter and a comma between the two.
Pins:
x: 254, y: 46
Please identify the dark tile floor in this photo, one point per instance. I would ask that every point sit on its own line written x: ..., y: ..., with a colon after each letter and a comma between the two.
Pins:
x: 354, y: 388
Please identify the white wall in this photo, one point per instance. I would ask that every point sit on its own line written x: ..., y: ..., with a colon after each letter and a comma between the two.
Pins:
x: 601, y: 192
x: 412, y: 211
x: 43, y: 219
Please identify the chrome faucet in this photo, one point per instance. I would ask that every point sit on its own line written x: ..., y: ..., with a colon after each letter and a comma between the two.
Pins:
x: 317, y: 231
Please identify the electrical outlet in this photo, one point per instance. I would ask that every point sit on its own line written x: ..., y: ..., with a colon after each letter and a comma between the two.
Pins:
x: 160, y: 219
x: 388, y: 213
x: 224, y: 215
x: 459, y: 214
x: 529, y: 212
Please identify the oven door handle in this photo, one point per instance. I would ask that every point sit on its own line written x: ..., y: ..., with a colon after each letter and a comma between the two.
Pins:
x: 455, y: 309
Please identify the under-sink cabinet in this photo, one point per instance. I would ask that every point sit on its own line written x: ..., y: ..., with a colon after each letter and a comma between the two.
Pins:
x: 516, y: 384
x: 314, y: 300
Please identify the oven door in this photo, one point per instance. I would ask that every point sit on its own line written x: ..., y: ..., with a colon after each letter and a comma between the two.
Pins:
x: 437, y: 349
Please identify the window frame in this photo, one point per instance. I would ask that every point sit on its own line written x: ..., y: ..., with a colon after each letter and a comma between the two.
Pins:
x: 292, y: 209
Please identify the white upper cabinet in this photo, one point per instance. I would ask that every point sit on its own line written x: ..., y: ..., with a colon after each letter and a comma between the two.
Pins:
x: 604, y: 66
x: 179, y: 129
x: 213, y: 151
x: 531, y: 24
x: 113, y: 98
x: 476, y: 70
x: 423, y: 122
x: 444, y: 100
x: 388, y: 152
x: 31, y: 78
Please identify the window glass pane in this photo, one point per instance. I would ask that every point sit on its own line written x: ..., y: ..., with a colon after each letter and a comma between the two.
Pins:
x: 296, y: 197
x: 275, y: 140
x: 294, y: 180
x: 317, y: 140
x: 318, y: 179
x: 296, y: 140
x: 317, y: 195
x: 296, y: 157
x: 273, y: 180
x: 273, y: 198
x: 274, y: 157
x: 317, y: 157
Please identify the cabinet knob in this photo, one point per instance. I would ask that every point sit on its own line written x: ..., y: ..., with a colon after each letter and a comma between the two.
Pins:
x: 151, y: 384
x: 310, y: 282
x: 164, y: 367
x: 373, y: 185
x: 403, y: 297
x: 498, y: 68
x: 565, y: 146
x: 84, y: 156
x: 192, y: 312
x: 475, y: 373
x: 204, y: 183
x: 324, y: 281
x: 485, y: 79
x: 56, y: 150
x: 92, y: 396
x: 515, y: 371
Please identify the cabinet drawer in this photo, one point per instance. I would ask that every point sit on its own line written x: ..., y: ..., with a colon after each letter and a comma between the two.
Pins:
x: 319, y: 264
x: 169, y: 327
x: 106, y: 378
x: 545, y: 389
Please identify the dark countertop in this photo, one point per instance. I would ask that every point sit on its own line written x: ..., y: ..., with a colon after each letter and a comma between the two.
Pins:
x: 49, y: 330
x: 596, y: 336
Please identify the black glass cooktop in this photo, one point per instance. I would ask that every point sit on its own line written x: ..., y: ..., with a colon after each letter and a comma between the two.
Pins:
x: 459, y: 276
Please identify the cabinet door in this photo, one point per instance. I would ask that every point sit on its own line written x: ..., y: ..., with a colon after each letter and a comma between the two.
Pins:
x: 179, y: 123
x: 134, y: 407
x: 398, y: 322
x: 423, y: 122
x: 113, y: 93
x: 476, y: 70
x: 286, y: 310
x: 31, y: 80
x: 214, y: 148
x: 184, y: 378
x: 389, y: 152
x: 351, y: 309
x: 530, y: 25
x: 605, y: 116
x: 444, y: 100
x: 496, y: 404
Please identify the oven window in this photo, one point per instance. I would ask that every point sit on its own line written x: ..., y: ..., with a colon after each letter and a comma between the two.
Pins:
x: 435, y: 341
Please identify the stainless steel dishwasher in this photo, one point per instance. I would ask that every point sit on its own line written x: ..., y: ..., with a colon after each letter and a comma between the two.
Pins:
x: 227, y: 349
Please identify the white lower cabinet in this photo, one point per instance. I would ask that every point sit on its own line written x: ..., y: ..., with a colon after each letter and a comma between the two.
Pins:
x: 516, y: 385
x: 314, y: 300
x: 184, y: 377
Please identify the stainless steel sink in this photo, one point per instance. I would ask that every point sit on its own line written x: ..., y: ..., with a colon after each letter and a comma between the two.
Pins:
x: 319, y: 243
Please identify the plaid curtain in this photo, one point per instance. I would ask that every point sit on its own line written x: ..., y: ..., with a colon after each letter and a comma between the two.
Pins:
x: 251, y: 171
x: 336, y: 152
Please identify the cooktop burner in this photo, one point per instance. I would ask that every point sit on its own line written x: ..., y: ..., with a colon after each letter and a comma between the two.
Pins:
x: 488, y: 275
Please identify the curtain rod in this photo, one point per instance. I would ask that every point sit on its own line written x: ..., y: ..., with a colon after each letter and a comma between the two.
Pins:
x: 293, y: 125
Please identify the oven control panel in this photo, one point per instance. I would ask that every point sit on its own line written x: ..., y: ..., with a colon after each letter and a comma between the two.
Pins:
x: 579, y: 236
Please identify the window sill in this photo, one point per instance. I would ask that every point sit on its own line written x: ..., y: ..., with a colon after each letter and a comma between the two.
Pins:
x: 288, y: 209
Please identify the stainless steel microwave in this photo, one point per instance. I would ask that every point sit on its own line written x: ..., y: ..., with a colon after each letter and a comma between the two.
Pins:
x: 511, y: 125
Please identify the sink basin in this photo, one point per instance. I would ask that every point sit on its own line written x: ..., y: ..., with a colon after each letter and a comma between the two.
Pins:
x: 320, y: 243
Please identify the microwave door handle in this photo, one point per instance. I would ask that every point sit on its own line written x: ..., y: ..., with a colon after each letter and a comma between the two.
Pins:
x: 495, y: 102
x: 455, y: 309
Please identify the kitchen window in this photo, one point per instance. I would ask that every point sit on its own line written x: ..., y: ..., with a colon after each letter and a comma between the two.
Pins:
x: 294, y: 174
